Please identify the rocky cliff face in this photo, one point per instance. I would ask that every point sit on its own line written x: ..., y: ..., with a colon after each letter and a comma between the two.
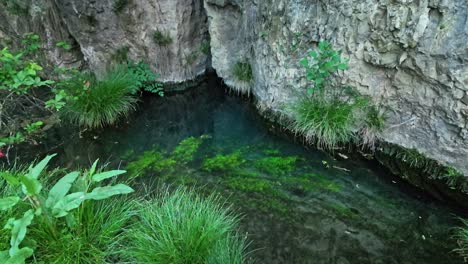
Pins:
x: 104, y: 31
x: 410, y: 56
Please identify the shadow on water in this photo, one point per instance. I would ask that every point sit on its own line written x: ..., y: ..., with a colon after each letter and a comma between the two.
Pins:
x: 297, y: 206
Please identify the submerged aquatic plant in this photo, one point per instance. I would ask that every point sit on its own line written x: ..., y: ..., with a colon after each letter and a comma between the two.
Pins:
x: 182, y: 227
x: 187, y: 148
x: 275, y: 166
x: 223, y: 163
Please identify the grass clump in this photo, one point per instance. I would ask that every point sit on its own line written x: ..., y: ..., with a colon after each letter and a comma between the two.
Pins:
x: 223, y: 163
x: 243, y: 71
x: 162, y: 39
x: 461, y: 235
x: 97, y: 103
x: 243, y: 77
x: 329, y: 123
x: 182, y: 228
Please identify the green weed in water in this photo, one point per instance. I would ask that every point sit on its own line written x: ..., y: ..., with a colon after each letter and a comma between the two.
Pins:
x: 187, y: 148
x: 223, y: 163
x: 277, y: 165
x: 150, y: 161
x: 253, y: 185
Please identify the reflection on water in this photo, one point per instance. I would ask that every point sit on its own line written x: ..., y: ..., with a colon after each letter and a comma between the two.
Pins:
x: 299, y: 205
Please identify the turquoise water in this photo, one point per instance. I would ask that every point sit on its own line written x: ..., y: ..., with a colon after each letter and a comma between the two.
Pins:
x: 299, y: 205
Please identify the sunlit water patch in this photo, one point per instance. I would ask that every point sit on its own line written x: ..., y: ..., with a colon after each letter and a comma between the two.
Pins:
x: 299, y: 205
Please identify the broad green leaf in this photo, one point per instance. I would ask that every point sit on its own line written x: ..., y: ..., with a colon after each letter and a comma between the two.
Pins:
x: 19, y: 258
x: 61, y: 188
x: 304, y: 62
x: 313, y: 54
x: 68, y: 203
x: 8, y: 202
x: 101, y: 193
x: 30, y: 186
x: 35, y: 171
x: 93, y: 168
x: 18, y: 231
x: 107, y: 174
x: 10, y: 178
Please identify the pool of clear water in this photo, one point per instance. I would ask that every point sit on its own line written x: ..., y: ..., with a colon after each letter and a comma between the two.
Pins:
x: 299, y: 205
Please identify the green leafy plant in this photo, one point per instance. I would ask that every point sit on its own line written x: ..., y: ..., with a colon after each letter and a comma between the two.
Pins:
x: 320, y: 66
x: 97, y: 103
x: 330, y: 113
x: 144, y: 79
x: 33, y: 127
x: 202, y: 231
x: 162, y: 39
x: 64, y: 45
x: 53, y: 210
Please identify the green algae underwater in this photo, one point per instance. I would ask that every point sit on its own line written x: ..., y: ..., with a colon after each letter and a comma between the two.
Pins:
x: 298, y: 205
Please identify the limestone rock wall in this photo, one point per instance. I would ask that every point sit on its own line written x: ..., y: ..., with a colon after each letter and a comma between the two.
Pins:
x: 410, y: 56
x: 99, y: 32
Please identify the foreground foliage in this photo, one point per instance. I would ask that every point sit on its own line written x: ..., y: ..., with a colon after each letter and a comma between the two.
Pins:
x: 184, y: 228
x: 41, y: 219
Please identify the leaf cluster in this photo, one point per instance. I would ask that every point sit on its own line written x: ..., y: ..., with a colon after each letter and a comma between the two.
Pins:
x: 54, y: 207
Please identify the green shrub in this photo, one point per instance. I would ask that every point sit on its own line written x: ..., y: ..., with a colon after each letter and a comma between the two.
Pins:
x: 162, y: 39
x: 98, y: 103
x: 184, y: 228
x: 320, y: 65
x: 461, y: 236
x: 66, y: 223
x: 329, y: 123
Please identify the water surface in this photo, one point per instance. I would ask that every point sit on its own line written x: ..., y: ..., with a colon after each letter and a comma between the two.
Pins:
x: 314, y: 210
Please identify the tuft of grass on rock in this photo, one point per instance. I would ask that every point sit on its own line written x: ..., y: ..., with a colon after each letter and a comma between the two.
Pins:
x: 329, y: 123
